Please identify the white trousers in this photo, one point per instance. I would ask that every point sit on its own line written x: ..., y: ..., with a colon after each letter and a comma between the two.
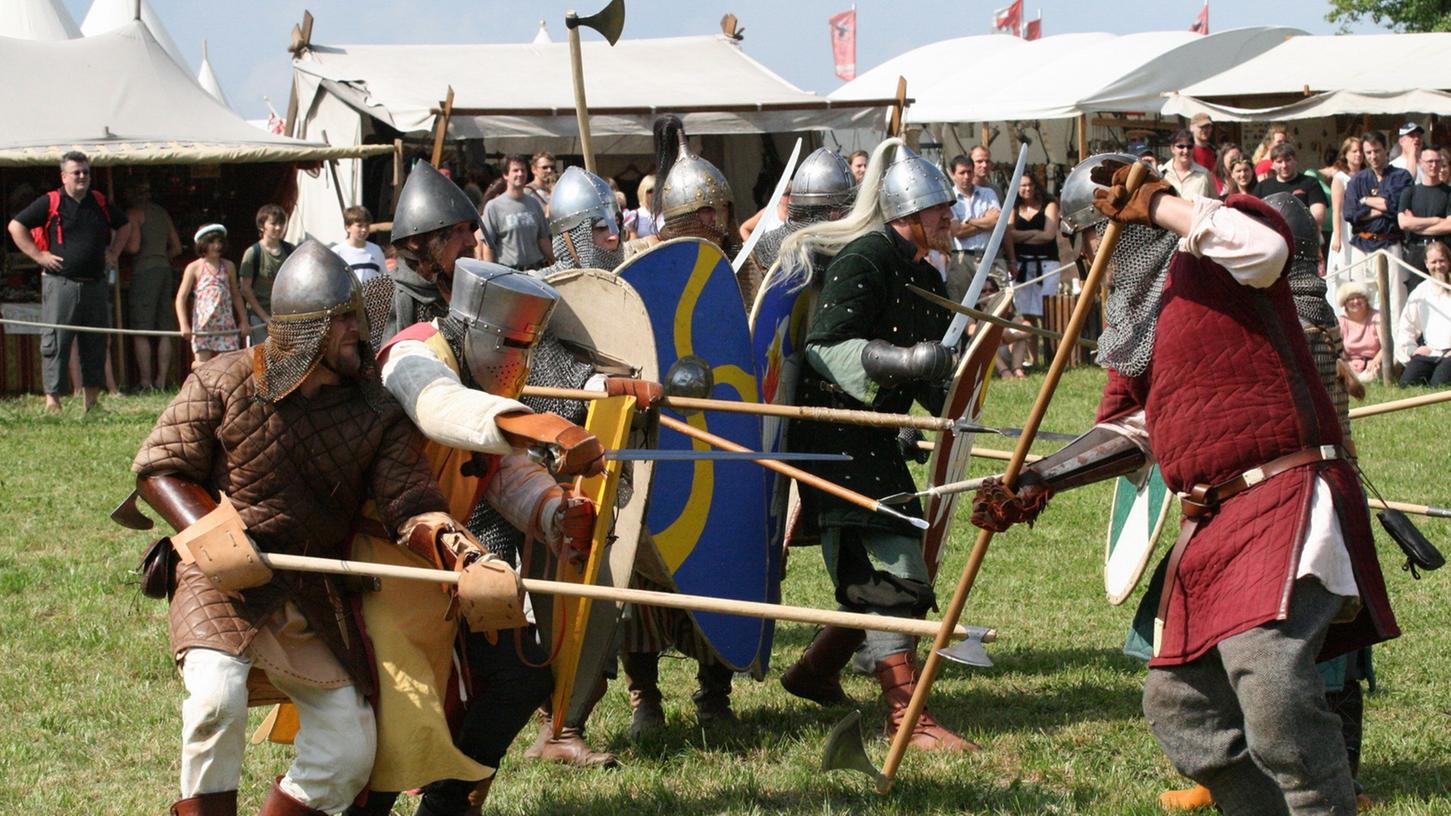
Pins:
x: 335, y: 740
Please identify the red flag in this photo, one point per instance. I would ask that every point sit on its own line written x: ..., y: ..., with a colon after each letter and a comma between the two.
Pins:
x: 1201, y: 23
x: 1010, y: 19
x: 843, y: 43
x: 1034, y: 29
x: 275, y: 123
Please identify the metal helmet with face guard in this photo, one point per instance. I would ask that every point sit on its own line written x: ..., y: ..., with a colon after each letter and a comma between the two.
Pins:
x: 312, y: 286
x: 581, y: 196
x: 1076, y: 200
x: 430, y: 201
x: 500, y: 313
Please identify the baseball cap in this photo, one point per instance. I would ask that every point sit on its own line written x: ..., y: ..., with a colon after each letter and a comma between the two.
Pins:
x: 1411, y: 127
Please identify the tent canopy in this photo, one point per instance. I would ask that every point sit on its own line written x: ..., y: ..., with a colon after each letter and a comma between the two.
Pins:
x: 1364, y: 63
x: 109, y: 15
x: 207, y: 78
x: 1058, y: 77
x: 525, y: 90
x: 129, y: 104
x: 1331, y: 103
x: 37, y: 20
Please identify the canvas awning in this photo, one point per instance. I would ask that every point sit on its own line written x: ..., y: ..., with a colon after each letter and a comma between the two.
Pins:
x: 506, y: 90
x: 128, y: 102
x: 1332, y: 103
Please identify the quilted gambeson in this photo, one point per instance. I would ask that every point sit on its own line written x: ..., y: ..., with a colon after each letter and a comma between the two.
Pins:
x: 1232, y: 386
x: 298, y: 472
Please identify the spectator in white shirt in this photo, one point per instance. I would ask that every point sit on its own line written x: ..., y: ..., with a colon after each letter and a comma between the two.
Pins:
x: 1188, y: 179
x: 363, y: 257
x: 1423, y: 332
x: 1409, y: 139
x: 973, y: 217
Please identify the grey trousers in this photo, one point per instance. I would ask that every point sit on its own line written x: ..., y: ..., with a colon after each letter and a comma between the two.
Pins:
x: 1249, y: 720
x: 73, y: 303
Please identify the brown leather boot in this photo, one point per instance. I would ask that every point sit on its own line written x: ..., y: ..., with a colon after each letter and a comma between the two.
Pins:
x: 568, y: 748
x: 713, y: 697
x: 898, y: 677
x: 642, y: 677
x: 816, y: 675
x: 280, y: 804
x: 222, y: 803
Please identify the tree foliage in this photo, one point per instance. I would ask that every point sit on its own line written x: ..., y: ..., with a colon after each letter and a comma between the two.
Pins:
x: 1397, y: 15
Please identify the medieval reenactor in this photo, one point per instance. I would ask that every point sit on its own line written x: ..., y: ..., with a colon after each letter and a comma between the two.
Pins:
x: 585, y: 222
x: 692, y: 196
x: 822, y: 189
x: 433, y: 226
x: 282, y: 444
x: 1274, y: 568
x: 451, y: 374
x: 873, y: 345
x: 1342, y: 674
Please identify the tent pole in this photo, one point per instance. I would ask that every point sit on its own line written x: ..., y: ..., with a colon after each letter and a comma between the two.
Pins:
x: 442, y: 128
x: 118, y: 342
x: 397, y: 176
x: 1082, y: 136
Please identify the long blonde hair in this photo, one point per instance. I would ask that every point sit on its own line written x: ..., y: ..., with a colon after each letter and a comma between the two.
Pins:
x: 829, y: 237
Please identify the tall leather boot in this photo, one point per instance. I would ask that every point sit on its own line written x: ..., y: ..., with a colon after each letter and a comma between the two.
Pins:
x: 713, y: 697
x: 898, y: 677
x: 221, y: 803
x: 816, y: 675
x: 642, y: 677
x: 570, y: 747
x: 280, y: 804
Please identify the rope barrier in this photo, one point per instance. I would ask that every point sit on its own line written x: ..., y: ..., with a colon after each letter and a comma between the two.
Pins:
x: 1394, y: 260
x: 5, y: 321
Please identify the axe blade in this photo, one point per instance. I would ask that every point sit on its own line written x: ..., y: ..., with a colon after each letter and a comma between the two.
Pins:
x: 609, y: 21
x: 128, y: 515
x: 969, y: 651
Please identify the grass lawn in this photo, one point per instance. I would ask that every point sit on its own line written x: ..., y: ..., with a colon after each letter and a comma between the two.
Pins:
x: 89, y: 699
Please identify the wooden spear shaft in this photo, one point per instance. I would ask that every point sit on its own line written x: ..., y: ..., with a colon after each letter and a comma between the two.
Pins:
x: 795, y: 473
x: 843, y: 416
x: 1010, y: 475
x: 671, y: 600
x: 1399, y: 405
x: 1404, y: 507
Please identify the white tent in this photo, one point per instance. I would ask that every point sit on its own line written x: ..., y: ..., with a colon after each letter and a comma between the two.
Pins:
x: 542, y: 37
x: 37, y: 20
x: 1408, y: 74
x: 521, y: 97
x: 108, y: 15
x: 1055, y: 78
x: 128, y: 103
x: 207, y: 78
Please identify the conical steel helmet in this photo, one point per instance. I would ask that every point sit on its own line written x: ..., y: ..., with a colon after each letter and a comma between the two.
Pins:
x: 912, y: 184
x: 430, y: 201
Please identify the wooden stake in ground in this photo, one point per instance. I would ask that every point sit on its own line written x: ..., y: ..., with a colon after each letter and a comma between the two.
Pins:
x: 441, y: 128
x: 1010, y: 475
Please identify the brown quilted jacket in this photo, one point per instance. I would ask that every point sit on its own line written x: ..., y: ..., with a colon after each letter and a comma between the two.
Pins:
x: 298, y: 472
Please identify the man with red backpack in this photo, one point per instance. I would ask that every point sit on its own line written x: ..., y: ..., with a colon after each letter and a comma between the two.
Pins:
x: 75, y: 236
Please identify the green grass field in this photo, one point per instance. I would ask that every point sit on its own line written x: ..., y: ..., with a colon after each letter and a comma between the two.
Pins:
x: 89, y: 698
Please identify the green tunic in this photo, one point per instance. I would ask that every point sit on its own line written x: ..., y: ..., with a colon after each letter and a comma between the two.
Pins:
x: 864, y: 297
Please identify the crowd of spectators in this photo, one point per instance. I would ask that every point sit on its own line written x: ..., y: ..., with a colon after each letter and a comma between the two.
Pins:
x: 1366, y: 200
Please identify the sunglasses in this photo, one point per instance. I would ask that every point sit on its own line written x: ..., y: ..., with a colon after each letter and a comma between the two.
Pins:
x: 1182, y: 146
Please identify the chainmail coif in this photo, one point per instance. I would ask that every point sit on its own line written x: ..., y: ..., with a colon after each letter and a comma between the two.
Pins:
x: 1135, y: 294
x: 768, y: 246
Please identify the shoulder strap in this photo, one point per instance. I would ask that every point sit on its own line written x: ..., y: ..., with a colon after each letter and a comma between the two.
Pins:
x: 252, y: 258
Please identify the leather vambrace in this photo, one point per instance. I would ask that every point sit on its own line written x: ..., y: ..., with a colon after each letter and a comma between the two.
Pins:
x: 181, y: 502
x: 574, y: 450
x: 891, y: 366
x: 1097, y: 455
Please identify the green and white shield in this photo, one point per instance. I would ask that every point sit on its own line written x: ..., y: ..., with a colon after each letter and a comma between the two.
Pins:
x: 1140, y: 504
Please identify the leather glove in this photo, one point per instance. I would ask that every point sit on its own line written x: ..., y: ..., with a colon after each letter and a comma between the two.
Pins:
x: 907, y: 440
x: 996, y: 508
x: 572, y: 451
x: 647, y: 394
x: 437, y: 537
x: 574, y: 518
x: 1116, y: 202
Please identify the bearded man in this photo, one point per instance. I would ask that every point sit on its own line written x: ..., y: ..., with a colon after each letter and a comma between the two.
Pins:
x: 282, y: 444
x: 873, y: 345
x: 433, y: 226
x: 1274, y: 567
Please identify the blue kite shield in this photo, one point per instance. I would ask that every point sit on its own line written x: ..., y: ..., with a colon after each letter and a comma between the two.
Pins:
x: 779, y: 320
x: 708, y: 519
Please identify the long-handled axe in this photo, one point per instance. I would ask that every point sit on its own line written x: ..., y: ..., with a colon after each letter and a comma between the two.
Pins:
x: 610, y: 21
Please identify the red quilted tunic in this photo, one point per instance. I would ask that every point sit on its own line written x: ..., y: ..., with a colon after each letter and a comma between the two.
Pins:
x: 1231, y: 387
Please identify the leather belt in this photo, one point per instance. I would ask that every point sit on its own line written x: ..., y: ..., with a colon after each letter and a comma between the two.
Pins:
x: 1378, y: 236
x: 1203, y: 500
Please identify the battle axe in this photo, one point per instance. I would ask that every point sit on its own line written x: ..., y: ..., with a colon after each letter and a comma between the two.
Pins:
x: 608, y: 22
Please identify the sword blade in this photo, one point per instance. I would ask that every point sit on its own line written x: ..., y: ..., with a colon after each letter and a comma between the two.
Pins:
x: 658, y: 455
x: 768, y: 216
x: 990, y: 252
